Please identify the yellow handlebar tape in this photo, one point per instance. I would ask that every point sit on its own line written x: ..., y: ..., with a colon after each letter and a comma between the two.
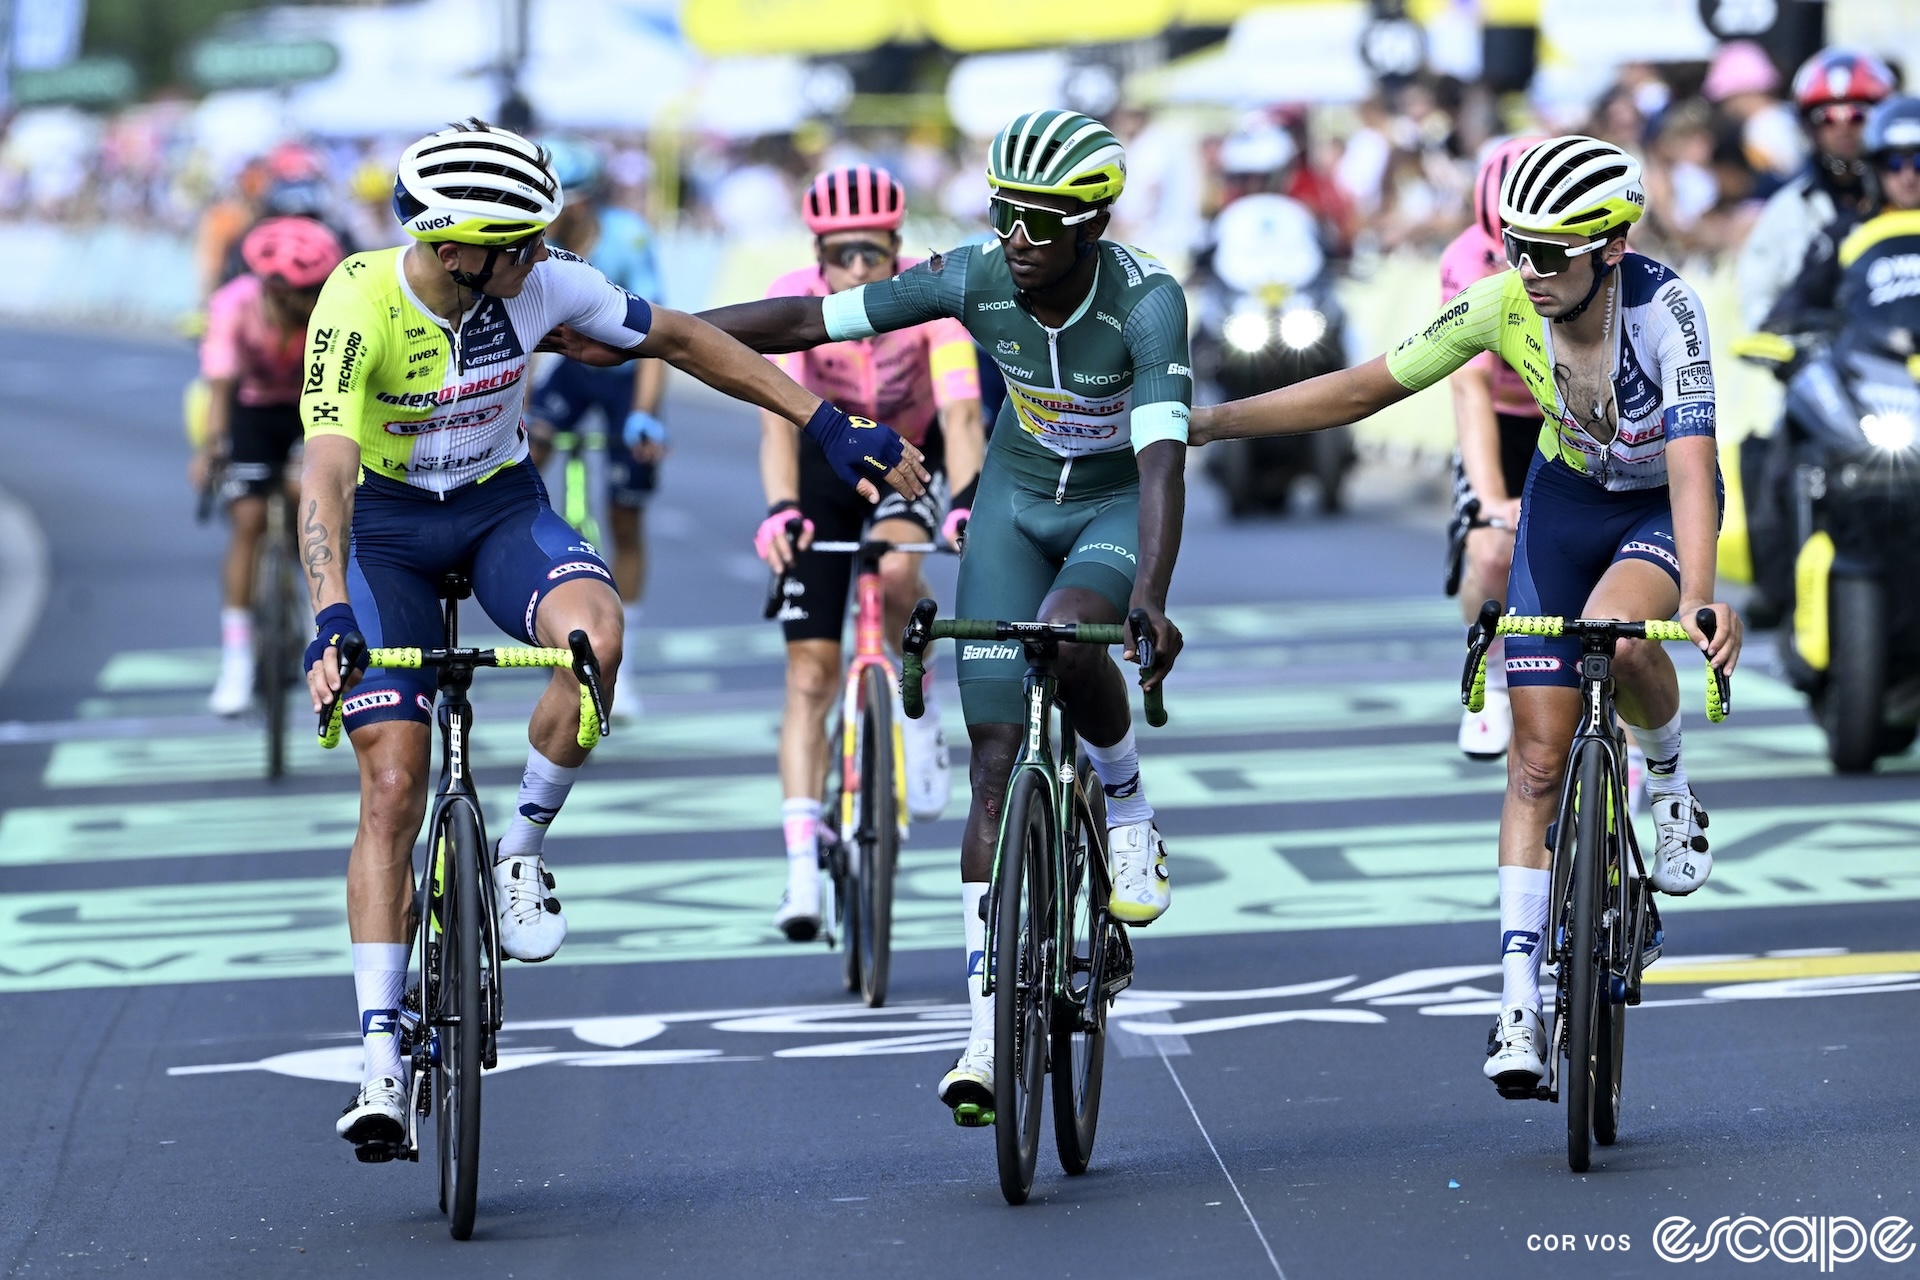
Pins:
x: 511, y: 656
x: 1514, y: 624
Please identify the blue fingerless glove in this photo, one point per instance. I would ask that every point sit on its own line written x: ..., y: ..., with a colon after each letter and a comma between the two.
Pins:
x: 643, y: 427
x: 857, y: 448
x: 335, y: 622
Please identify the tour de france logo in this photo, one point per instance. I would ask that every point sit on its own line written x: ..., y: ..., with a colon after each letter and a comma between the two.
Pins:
x: 1824, y: 1241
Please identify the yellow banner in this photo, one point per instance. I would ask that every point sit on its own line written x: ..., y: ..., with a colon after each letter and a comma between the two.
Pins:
x: 972, y: 26
x: 741, y: 27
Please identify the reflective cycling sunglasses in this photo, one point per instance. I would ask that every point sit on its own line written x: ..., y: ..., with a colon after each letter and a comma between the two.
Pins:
x: 865, y: 251
x: 521, y: 252
x: 1839, y: 113
x: 1549, y: 258
x: 1042, y: 225
x: 1898, y: 161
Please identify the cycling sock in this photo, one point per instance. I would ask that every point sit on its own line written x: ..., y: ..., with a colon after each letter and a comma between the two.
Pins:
x: 1662, y: 748
x: 1523, y: 919
x: 971, y: 896
x: 543, y: 789
x: 1119, y: 770
x: 236, y: 630
x: 630, y: 613
x: 800, y: 822
x: 379, y: 980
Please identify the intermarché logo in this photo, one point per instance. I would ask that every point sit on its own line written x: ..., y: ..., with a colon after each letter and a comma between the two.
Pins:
x: 1824, y: 1241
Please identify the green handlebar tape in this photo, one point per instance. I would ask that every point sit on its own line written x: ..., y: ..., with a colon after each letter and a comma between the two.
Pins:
x: 1156, y: 701
x: 330, y: 736
x: 913, y: 674
x: 1514, y: 624
x: 589, y: 735
x: 964, y: 628
x: 1101, y: 633
x: 520, y: 656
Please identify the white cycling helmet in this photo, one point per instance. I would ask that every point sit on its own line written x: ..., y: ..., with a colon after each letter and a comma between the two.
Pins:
x: 475, y: 183
x: 1572, y: 184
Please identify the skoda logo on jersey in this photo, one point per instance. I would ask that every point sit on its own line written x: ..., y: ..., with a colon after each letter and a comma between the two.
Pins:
x: 1100, y: 379
x: 1005, y: 304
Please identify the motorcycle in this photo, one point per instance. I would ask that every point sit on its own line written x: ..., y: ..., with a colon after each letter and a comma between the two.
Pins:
x: 1842, y: 476
x: 1267, y: 318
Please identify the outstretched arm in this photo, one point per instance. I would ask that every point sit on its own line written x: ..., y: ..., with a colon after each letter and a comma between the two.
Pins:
x: 1331, y: 400
x: 1163, y: 509
x: 772, y: 325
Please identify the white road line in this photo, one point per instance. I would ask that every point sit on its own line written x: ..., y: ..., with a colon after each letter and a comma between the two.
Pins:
x: 1251, y: 1220
x: 23, y: 578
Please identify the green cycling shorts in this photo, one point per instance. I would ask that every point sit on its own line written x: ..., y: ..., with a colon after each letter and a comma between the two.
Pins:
x: 1023, y: 545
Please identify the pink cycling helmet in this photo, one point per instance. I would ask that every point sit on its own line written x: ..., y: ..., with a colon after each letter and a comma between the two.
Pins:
x: 855, y: 198
x: 298, y: 250
x: 1486, y: 184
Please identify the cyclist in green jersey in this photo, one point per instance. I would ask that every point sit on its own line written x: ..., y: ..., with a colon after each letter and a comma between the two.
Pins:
x: 1076, y: 515
x: 1619, y: 518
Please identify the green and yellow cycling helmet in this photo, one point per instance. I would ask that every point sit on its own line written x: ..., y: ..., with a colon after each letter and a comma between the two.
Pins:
x: 1058, y: 153
x: 474, y: 183
x: 1575, y: 185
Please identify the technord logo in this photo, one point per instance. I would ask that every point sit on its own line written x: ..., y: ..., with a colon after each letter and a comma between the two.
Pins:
x: 1823, y: 1241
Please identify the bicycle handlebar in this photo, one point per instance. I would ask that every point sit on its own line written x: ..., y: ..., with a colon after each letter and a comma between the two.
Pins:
x: 578, y: 657
x: 1492, y: 623
x: 923, y: 628
x: 777, y: 584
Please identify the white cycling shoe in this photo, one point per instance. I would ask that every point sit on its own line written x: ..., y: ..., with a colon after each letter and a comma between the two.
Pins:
x: 233, y: 690
x: 1517, y: 1052
x: 1484, y: 734
x: 532, y: 926
x: 1681, y: 864
x: 1142, y: 888
x: 968, y: 1088
x: 375, y: 1122
x: 798, y: 915
x: 929, y: 772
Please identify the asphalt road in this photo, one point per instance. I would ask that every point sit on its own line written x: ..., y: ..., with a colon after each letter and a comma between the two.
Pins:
x: 1294, y: 1088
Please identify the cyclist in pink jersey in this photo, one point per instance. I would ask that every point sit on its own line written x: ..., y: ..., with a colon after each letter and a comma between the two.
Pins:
x: 1498, y: 425
x: 924, y: 381
x: 253, y: 360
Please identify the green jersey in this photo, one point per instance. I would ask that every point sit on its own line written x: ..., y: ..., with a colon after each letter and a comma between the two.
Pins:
x: 1117, y: 373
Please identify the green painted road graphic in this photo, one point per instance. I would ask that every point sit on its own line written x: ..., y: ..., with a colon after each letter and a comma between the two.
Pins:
x: 659, y: 806
x: 705, y: 909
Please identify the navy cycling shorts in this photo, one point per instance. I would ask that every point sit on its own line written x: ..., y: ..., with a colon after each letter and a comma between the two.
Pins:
x: 500, y: 531
x: 570, y: 392
x: 1571, y: 532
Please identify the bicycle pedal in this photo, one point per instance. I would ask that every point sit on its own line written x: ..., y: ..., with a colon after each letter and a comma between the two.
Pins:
x: 971, y: 1115
x: 376, y: 1152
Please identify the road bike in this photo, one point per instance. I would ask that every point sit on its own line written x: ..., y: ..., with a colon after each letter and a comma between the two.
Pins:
x: 451, y: 1017
x: 864, y: 813
x: 1055, y: 959
x: 575, y: 471
x: 1605, y: 928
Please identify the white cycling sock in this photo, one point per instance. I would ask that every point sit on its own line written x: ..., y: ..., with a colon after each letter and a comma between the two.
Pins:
x: 1119, y: 770
x: 543, y: 789
x: 380, y: 981
x: 1662, y: 748
x: 800, y: 823
x: 971, y: 896
x: 236, y: 630
x: 1523, y: 920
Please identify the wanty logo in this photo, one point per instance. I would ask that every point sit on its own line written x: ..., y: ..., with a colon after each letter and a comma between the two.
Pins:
x: 1824, y: 1241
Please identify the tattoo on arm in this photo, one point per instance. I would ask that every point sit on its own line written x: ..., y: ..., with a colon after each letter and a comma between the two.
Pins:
x: 318, y: 553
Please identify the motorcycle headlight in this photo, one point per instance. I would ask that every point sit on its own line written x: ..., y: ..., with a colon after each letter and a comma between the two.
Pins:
x: 1247, y: 331
x: 1893, y: 432
x: 1302, y: 328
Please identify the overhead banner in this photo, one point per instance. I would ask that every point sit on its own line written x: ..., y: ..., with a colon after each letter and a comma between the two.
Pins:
x: 732, y: 28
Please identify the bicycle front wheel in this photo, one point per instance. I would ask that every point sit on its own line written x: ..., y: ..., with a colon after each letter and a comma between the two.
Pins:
x: 1582, y: 962
x: 460, y: 1017
x: 879, y: 836
x: 1022, y: 995
x: 1080, y: 1017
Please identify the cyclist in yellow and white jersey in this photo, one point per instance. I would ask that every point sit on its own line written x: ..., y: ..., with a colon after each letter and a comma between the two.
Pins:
x: 1619, y: 517
x: 411, y: 406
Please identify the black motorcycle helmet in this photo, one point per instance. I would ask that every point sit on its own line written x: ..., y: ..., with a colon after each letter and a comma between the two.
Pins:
x: 1893, y: 125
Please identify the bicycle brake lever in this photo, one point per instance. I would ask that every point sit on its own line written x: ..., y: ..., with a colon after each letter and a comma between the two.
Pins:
x: 777, y: 584
x: 353, y: 648
x: 1480, y: 637
x: 586, y: 668
x: 1142, y: 629
x: 1720, y: 694
x: 913, y: 647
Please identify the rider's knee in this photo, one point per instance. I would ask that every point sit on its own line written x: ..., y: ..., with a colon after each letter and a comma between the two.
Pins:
x: 900, y: 580
x: 813, y: 677
x: 1635, y: 660
x: 393, y: 796
x: 1534, y: 769
x: 1491, y: 559
x: 989, y: 764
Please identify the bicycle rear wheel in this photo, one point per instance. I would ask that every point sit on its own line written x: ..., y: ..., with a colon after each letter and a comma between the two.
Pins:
x: 460, y: 1017
x: 1021, y: 997
x: 879, y: 837
x: 1582, y: 961
x: 1080, y: 1020
x: 838, y: 854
